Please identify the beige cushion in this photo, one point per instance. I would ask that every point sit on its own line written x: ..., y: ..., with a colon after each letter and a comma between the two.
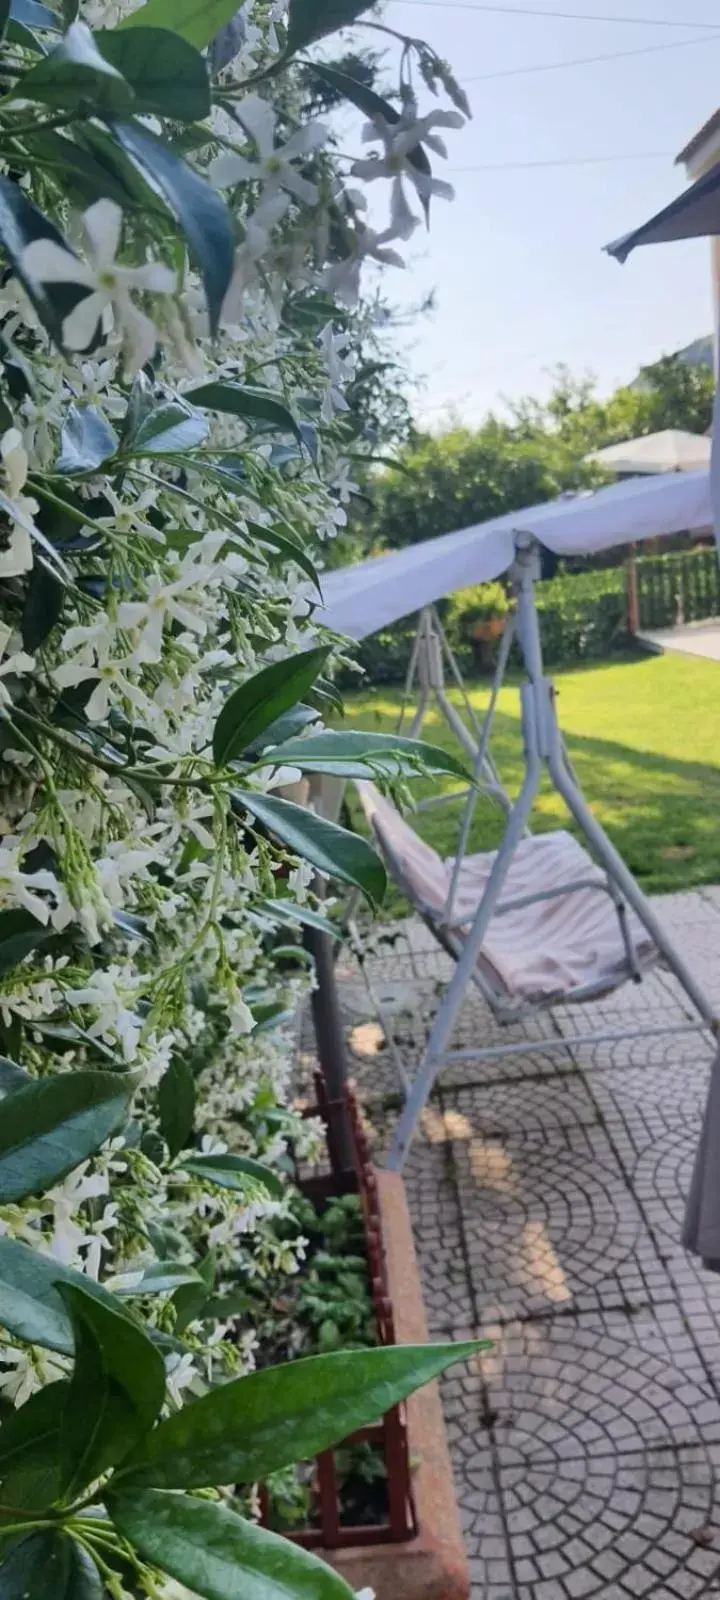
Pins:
x: 537, y: 952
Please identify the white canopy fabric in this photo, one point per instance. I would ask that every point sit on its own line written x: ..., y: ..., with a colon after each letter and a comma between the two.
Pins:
x: 359, y: 600
x: 670, y: 450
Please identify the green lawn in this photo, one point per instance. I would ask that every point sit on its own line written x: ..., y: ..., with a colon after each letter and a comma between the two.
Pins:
x: 644, y: 738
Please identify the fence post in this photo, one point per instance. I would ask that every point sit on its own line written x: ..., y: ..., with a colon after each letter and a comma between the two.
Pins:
x: 631, y: 593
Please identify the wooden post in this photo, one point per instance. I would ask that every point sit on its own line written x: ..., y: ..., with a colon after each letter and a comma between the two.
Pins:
x: 631, y: 593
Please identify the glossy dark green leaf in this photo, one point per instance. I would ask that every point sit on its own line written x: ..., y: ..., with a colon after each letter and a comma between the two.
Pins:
x: 86, y: 440
x: 163, y: 1277
x: 218, y: 1554
x: 202, y: 215
x: 75, y: 74
x: 286, y: 911
x: 198, y: 21
x: 30, y: 1306
x: 42, y: 608
x: 284, y: 727
x: 166, y: 74
x: 309, y: 20
x: 34, y: 15
x: 261, y: 699
x: 167, y: 428
x: 115, y: 1393
x: 12, y: 1077
x: 82, y: 174
x: 176, y: 1105
x: 29, y: 1452
x: 20, y: 224
x: 246, y: 1429
x: 347, y: 753
x: 253, y: 405
x: 55, y: 1123
x: 234, y: 1172
x: 20, y: 933
x: 329, y: 848
x: 49, y: 1566
x: 359, y: 94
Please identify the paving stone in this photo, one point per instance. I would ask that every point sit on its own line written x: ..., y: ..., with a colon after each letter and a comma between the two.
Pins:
x: 550, y: 1223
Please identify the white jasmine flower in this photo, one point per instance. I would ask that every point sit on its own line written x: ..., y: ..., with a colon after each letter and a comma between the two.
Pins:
x: 342, y: 278
x: 399, y: 139
x: 255, y: 245
x: 165, y: 602
x: 18, y: 507
x: 19, y: 888
x: 274, y: 167
x: 110, y: 284
x: 14, y: 667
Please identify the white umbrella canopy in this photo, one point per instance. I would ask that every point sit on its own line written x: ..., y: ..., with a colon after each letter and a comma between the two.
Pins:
x: 670, y: 450
x: 359, y: 600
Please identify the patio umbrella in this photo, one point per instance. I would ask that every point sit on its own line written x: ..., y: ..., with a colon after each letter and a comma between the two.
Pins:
x: 670, y: 450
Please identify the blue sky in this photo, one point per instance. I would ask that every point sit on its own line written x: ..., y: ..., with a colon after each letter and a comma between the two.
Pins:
x: 516, y: 260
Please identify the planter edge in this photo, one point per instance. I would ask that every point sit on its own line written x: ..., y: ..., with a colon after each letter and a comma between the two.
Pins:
x: 433, y: 1566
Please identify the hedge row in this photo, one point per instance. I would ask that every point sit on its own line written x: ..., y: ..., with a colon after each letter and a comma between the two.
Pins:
x: 583, y: 614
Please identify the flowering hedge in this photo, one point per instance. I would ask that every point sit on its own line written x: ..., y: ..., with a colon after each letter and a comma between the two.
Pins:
x: 182, y: 249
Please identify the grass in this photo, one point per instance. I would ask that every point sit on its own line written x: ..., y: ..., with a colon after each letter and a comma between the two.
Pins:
x: 644, y: 739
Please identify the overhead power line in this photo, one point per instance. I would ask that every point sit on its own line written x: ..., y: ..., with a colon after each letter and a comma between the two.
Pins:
x: 563, y: 161
x: 565, y: 16
x: 589, y: 61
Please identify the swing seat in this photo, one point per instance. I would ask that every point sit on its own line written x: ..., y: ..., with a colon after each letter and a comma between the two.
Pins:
x: 565, y: 944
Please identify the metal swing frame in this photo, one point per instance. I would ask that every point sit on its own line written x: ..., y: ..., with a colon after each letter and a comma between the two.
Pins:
x: 544, y: 753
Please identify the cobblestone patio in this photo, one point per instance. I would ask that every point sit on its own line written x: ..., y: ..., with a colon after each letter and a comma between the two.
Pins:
x: 547, y: 1195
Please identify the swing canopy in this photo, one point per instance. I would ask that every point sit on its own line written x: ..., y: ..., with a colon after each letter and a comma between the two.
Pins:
x: 361, y: 599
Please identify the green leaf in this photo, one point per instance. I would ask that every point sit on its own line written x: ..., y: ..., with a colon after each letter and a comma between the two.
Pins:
x: 286, y: 911
x: 163, y: 1277
x: 34, y: 15
x: 261, y: 699
x: 115, y: 1393
x: 234, y: 1172
x: 309, y: 20
x: 82, y: 174
x: 20, y: 224
x: 20, y: 933
x: 42, y: 608
x: 202, y: 215
x: 86, y: 440
x: 176, y: 1105
x: 198, y: 21
x: 286, y: 547
x: 75, y: 75
x: 166, y: 74
x: 29, y: 1451
x: 168, y: 427
x: 253, y: 405
x: 54, y: 1124
x: 283, y: 727
x: 218, y: 1554
x: 246, y: 1429
x: 347, y: 753
x: 49, y: 1566
x: 359, y: 94
x: 31, y: 1307
x: 330, y: 848
x: 12, y: 1077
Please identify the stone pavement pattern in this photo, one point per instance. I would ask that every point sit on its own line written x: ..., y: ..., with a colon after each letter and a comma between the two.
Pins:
x: 547, y: 1196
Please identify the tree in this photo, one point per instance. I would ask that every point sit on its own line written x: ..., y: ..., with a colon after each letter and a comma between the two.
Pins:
x: 447, y: 481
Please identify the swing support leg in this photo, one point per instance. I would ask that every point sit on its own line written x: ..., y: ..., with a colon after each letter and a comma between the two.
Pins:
x: 422, y: 1083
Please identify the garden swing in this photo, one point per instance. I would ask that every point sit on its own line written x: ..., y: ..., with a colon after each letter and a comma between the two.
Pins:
x: 540, y: 921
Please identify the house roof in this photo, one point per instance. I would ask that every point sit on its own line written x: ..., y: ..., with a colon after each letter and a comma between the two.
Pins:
x: 700, y: 138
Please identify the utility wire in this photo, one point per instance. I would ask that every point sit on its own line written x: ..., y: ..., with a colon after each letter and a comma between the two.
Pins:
x: 565, y: 16
x: 589, y: 61
x: 563, y: 161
